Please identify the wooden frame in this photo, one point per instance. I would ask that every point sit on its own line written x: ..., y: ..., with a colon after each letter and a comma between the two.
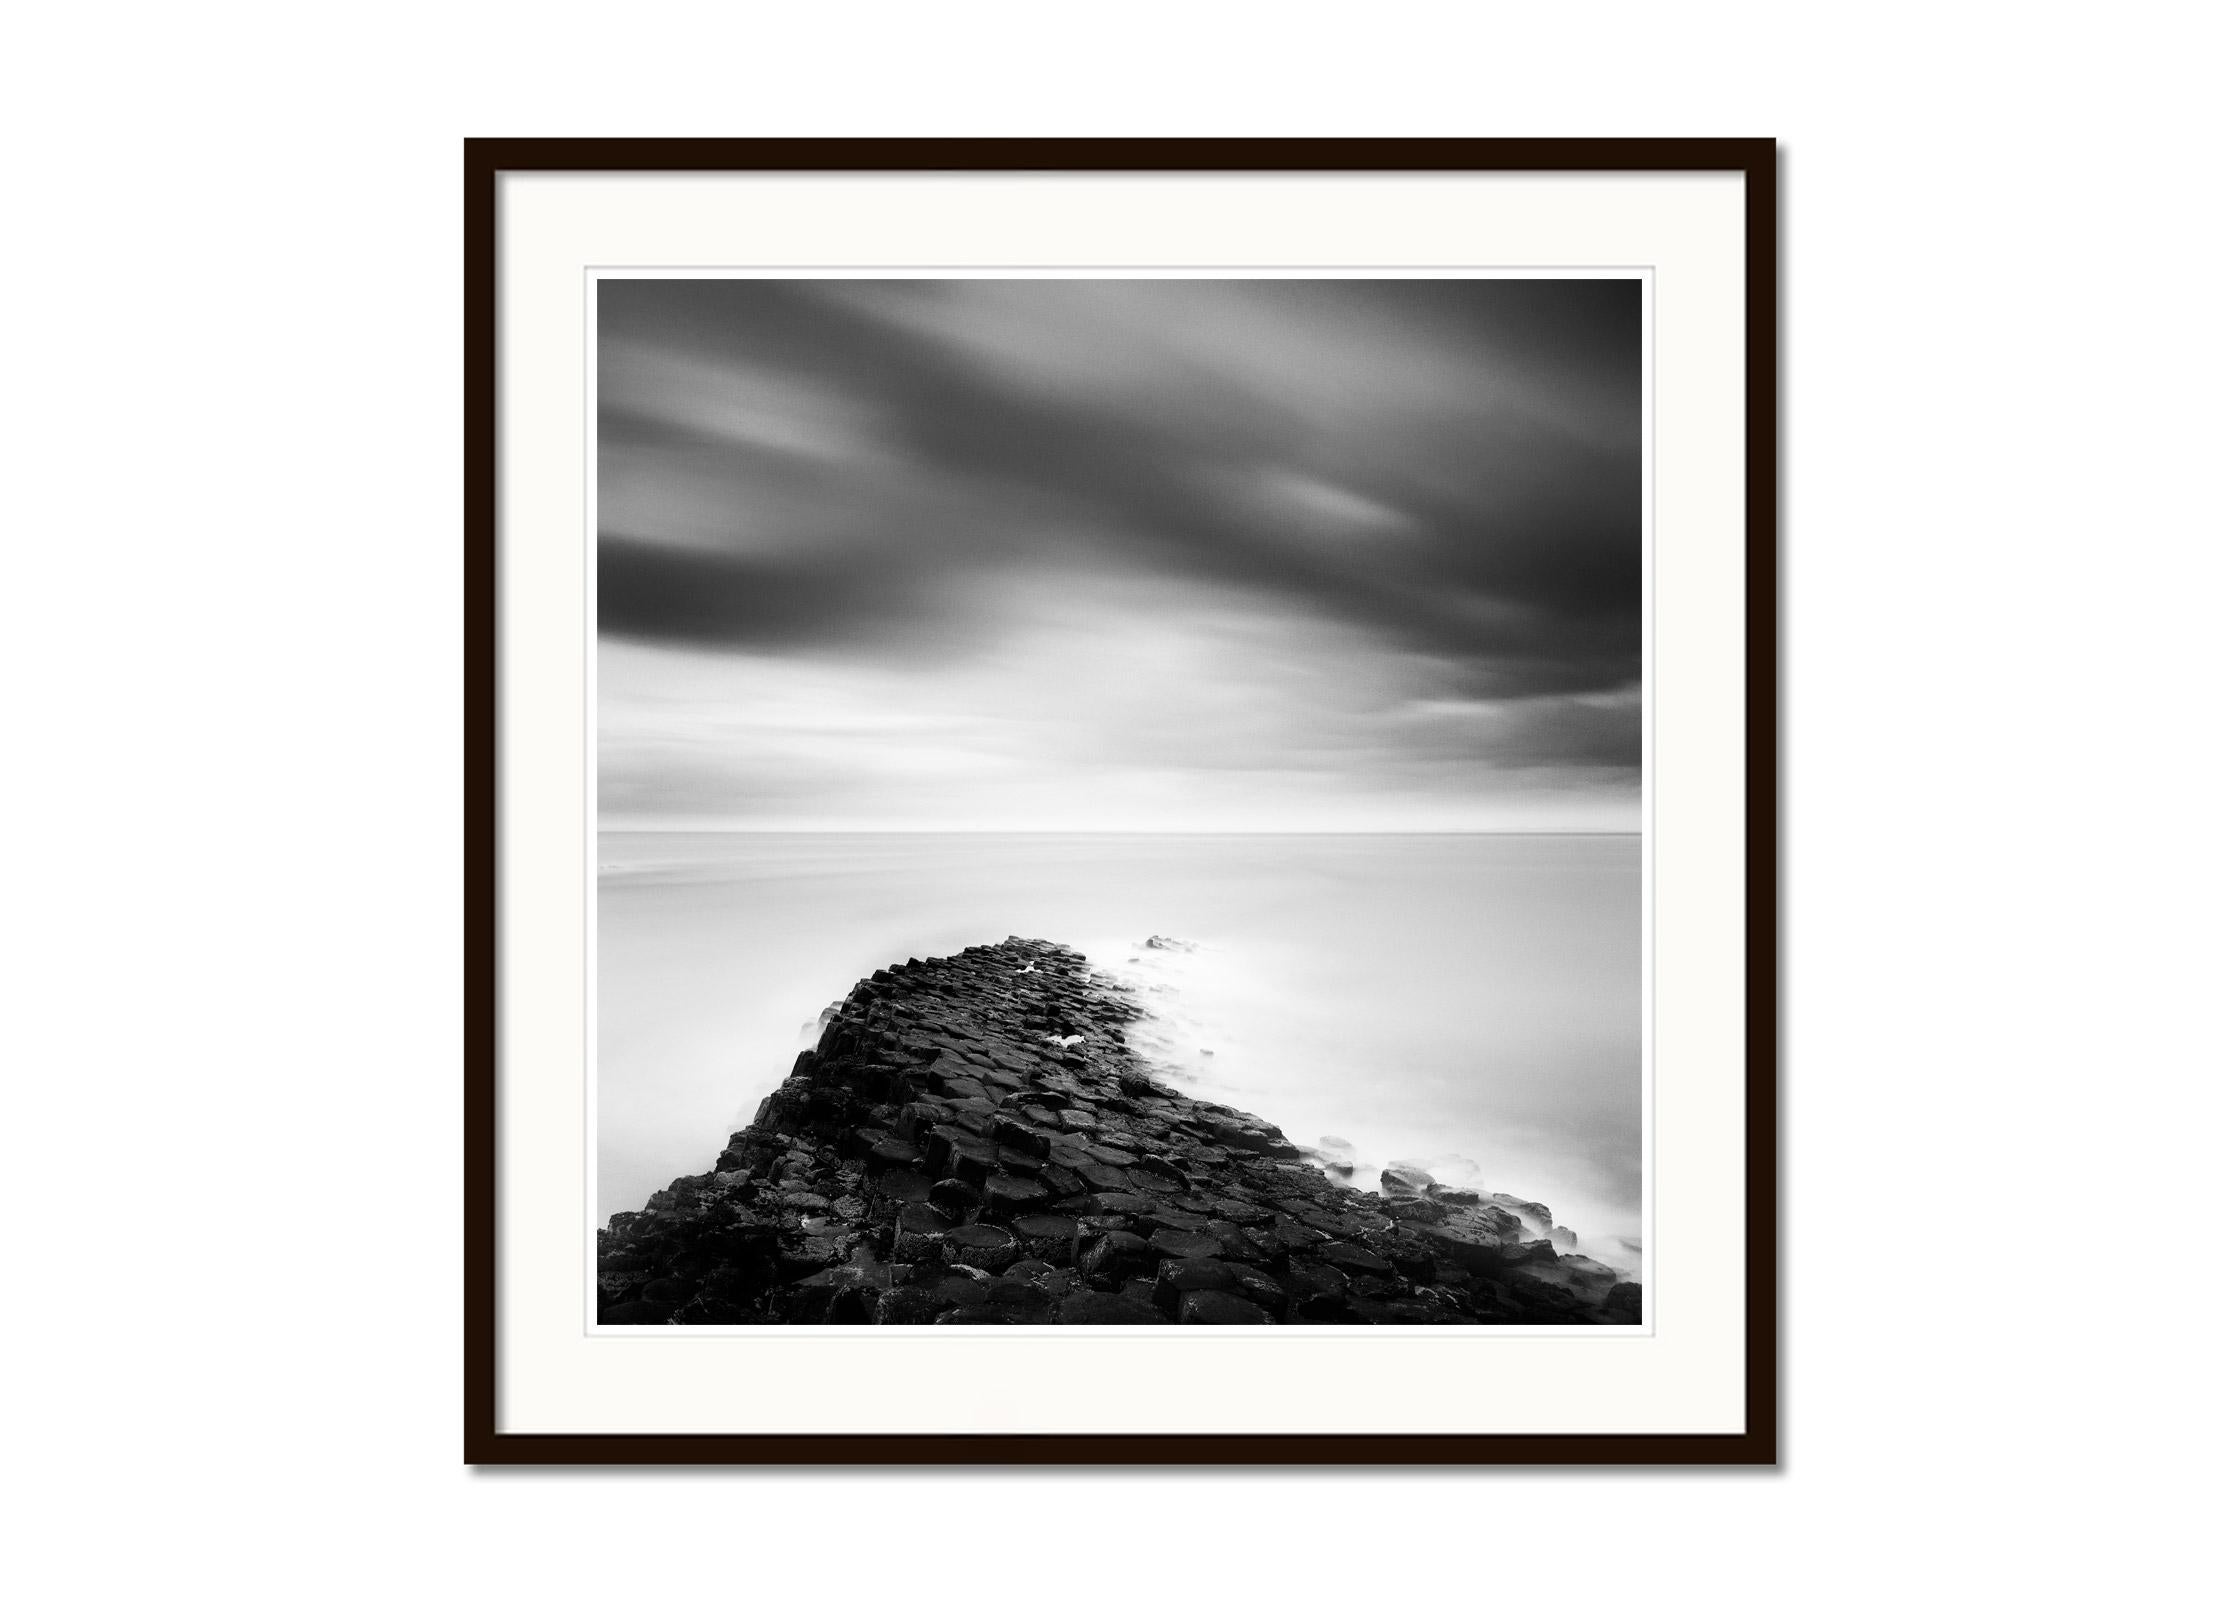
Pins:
x: 488, y: 162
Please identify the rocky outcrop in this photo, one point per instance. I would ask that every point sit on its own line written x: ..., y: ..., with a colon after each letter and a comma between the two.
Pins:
x: 973, y: 1141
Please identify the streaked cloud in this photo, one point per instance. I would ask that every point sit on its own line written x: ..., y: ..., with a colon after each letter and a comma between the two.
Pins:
x: 1133, y: 554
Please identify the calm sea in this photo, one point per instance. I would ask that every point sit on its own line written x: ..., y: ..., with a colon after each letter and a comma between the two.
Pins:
x: 1467, y: 1002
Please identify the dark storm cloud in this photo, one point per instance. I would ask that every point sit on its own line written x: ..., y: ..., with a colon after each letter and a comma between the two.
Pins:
x: 1121, y: 553
x: 1453, y: 465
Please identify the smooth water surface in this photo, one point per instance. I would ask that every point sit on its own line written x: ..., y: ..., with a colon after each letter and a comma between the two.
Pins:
x: 1467, y: 1002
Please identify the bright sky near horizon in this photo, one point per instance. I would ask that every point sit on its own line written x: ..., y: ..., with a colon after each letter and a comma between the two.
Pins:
x: 1120, y: 554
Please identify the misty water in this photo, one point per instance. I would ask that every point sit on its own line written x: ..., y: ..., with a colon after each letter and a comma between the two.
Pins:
x: 1469, y: 1003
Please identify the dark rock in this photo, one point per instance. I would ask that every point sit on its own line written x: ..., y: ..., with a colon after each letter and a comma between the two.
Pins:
x: 1178, y: 1277
x: 1061, y: 1181
x: 918, y: 1232
x: 889, y: 1151
x: 1352, y: 1258
x: 1089, y: 1306
x: 1007, y: 1194
x: 1214, y: 1306
x: 907, y: 1187
x: 1261, y: 1289
x: 981, y: 1245
x: 1021, y: 1303
x: 1188, y: 1246
x: 956, y: 1199
x: 1116, y: 1257
x: 1009, y: 1131
x: 1048, y: 1238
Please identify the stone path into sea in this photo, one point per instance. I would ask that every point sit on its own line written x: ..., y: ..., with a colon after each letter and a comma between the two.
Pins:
x: 972, y: 1141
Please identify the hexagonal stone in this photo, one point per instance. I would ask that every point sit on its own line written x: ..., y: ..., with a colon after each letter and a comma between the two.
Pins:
x: 1007, y: 1194
x: 981, y: 1245
x: 1116, y: 1257
x: 1018, y: 1135
x: 972, y: 1160
x: 1061, y: 1180
x: 918, y: 1233
x: 1260, y: 1288
x: 1352, y: 1258
x: 890, y: 1152
x: 1178, y: 1277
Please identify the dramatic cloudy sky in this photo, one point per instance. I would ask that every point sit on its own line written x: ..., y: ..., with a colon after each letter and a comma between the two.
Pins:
x: 1119, y: 554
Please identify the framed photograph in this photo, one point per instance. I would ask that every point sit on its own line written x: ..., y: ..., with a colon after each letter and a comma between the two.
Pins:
x: 1122, y: 801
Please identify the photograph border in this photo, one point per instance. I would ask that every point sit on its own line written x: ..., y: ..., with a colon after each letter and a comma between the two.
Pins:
x: 489, y: 161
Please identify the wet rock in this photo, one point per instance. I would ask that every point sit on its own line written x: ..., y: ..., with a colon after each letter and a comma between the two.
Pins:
x: 1116, y: 1257
x: 1262, y: 1289
x: 1185, y: 1245
x: 1217, y: 1307
x: 1352, y: 1258
x: 1534, y: 1215
x: 1178, y: 1276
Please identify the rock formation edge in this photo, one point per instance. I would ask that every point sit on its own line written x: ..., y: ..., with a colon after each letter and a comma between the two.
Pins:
x: 972, y: 1141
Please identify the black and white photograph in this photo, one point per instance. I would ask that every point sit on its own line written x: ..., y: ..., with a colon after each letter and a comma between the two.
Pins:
x: 1120, y: 801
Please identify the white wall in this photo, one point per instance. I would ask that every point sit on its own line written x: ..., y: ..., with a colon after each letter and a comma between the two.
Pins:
x: 231, y: 663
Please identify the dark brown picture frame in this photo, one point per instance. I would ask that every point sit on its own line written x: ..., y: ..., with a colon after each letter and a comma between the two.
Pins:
x: 487, y: 163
